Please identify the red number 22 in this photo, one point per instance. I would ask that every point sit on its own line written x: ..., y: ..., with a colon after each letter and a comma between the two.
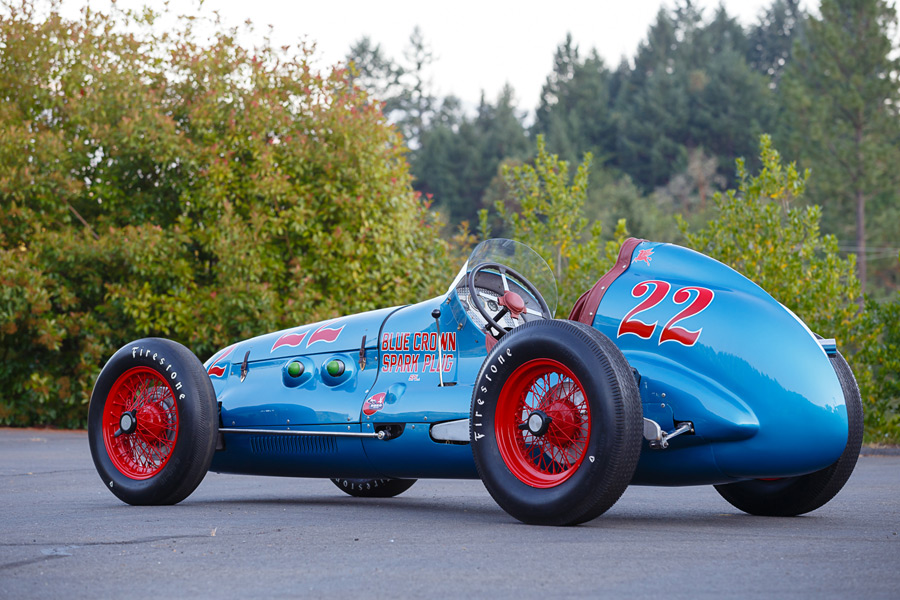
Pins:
x: 671, y: 331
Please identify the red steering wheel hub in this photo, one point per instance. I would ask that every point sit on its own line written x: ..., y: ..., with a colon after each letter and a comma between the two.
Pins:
x: 513, y: 302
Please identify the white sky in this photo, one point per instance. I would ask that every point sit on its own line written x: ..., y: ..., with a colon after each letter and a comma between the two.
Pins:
x: 478, y: 45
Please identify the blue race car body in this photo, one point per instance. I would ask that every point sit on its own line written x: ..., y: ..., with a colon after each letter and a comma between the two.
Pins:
x: 754, y: 381
x: 720, y: 352
x: 722, y: 385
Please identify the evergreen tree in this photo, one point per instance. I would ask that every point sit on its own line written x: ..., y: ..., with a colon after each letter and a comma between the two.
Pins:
x: 405, y: 89
x: 459, y: 157
x: 376, y: 73
x: 418, y: 100
x: 690, y: 88
x: 574, y: 111
x: 772, y: 39
x: 502, y: 132
x: 840, y: 100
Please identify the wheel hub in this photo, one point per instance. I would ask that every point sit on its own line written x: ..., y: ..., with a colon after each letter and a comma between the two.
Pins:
x: 153, y: 422
x: 538, y: 423
x: 566, y: 423
x: 127, y: 423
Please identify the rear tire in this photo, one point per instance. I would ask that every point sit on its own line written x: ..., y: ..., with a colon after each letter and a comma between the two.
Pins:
x: 792, y: 496
x: 152, y: 422
x: 373, y: 488
x: 556, y: 423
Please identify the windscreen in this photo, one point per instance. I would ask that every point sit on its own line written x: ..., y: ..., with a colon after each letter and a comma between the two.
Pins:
x: 520, y: 258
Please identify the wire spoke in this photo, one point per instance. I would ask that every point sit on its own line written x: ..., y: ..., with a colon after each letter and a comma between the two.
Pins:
x: 145, y: 451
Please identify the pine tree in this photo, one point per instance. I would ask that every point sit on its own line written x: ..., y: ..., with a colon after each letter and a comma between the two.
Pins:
x: 840, y: 99
x: 690, y: 88
x: 574, y: 114
x: 458, y: 156
x: 404, y: 88
x: 772, y: 39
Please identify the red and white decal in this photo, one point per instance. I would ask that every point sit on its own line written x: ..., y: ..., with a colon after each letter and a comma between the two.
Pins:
x: 373, y: 405
x: 630, y: 324
x: 324, y: 334
x: 701, y: 301
x: 417, y: 352
x: 292, y: 340
x: 645, y: 255
x: 657, y: 291
x: 295, y: 338
x: 216, y: 370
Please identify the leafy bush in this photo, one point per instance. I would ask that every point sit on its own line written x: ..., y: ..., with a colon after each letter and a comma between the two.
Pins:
x: 763, y: 230
x: 883, y: 359
x: 544, y: 211
x: 154, y: 182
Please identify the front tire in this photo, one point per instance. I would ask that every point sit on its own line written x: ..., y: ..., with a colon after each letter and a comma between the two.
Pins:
x: 556, y: 423
x: 373, y: 488
x: 792, y: 496
x: 152, y: 422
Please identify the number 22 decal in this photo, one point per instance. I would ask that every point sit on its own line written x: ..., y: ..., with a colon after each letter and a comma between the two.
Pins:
x: 700, y: 298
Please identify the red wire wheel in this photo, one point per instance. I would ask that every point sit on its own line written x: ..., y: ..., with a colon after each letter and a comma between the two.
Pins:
x: 545, y: 390
x: 142, y: 399
x: 555, y: 423
x: 152, y: 422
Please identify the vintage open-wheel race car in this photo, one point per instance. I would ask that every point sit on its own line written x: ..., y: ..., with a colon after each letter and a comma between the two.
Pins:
x: 672, y: 370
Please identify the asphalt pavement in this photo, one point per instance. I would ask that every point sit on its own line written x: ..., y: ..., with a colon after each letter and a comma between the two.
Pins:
x: 64, y: 535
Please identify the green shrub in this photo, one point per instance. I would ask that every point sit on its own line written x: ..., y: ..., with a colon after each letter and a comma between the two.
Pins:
x: 153, y: 184
x: 542, y: 209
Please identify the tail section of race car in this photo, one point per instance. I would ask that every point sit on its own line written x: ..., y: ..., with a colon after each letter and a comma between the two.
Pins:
x: 748, y: 389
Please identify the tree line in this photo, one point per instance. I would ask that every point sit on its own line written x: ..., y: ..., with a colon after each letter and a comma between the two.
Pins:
x: 160, y: 181
x: 666, y: 127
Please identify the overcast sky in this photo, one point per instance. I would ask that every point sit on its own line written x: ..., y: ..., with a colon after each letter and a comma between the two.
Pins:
x: 479, y: 45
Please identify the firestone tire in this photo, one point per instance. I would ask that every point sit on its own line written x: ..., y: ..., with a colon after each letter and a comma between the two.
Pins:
x: 373, y: 488
x: 152, y: 423
x: 792, y: 496
x: 556, y: 423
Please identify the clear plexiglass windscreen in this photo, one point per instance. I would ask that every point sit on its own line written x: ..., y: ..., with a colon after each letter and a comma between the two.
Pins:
x: 491, y: 285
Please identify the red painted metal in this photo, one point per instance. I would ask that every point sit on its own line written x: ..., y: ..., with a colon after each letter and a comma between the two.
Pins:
x: 144, y: 452
x: 586, y: 306
x: 513, y: 302
x: 543, y: 461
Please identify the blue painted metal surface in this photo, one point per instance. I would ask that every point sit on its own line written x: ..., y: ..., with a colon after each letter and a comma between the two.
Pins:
x: 399, y: 384
x: 754, y: 381
x: 710, y: 347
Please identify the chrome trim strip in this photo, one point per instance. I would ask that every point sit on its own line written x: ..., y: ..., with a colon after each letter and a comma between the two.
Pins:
x: 300, y: 432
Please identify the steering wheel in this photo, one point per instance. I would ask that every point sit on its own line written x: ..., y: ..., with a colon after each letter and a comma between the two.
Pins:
x: 510, y: 301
